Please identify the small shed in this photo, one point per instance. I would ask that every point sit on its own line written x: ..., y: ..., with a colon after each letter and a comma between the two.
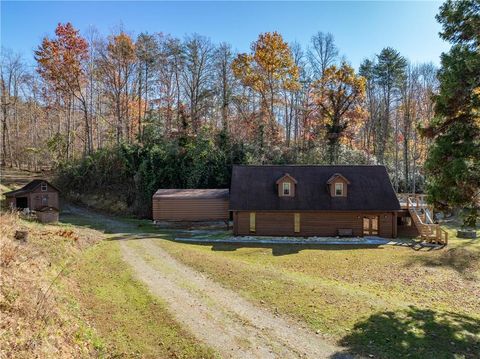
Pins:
x: 35, y: 195
x: 191, y: 205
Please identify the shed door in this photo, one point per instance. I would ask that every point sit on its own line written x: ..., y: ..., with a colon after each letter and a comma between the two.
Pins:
x: 21, y: 202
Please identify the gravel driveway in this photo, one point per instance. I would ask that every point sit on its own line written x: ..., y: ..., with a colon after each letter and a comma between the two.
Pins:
x: 219, y: 317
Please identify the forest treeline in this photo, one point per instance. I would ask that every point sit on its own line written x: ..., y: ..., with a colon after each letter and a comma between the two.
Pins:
x: 128, y: 114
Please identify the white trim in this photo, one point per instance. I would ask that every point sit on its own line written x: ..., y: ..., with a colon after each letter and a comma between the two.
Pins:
x: 287, y: 186
x: 341, y: 189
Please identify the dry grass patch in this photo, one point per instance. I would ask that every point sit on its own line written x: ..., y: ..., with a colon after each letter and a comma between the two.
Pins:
x: 35, y: 319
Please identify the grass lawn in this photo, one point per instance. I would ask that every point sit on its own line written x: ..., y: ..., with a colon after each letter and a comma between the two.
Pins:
x: 390, y: 301
x: 93, y: 306
x: 124, y: 313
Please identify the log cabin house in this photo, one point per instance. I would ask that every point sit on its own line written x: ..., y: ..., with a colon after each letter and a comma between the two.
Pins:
x: 306, y: 201
x: 36, y: 195
x: 313, y: 200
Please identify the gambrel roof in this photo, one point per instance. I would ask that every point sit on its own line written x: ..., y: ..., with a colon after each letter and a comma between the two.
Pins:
x: 369, y: 189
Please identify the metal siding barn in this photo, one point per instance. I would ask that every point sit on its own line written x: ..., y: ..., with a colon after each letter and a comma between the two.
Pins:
x: 190, y: 205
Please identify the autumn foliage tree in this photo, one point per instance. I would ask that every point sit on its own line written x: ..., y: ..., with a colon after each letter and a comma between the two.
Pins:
x: 157, y: 96
x: 61, y: 63
x: 339, y: 96
x: 116, y: 67
x: 268, y: 69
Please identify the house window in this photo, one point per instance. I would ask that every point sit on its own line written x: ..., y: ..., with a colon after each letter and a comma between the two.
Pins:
x: 286, y: 188
x: 296, y: 223
x: 252, y: 222
x: 45, y: 200
x: 44, y: 187
x: 339, y: 189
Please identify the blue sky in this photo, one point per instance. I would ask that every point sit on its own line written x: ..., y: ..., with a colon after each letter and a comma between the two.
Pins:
x: 361, y: 29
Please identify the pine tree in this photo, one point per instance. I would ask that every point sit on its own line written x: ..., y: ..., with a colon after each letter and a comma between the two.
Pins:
x: 453, y: 165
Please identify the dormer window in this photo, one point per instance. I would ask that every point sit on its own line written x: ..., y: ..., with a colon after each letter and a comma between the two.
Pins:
x: 43, y: 187
x: 286, y: 186
x: 338, y: 185
x: 339, y: 189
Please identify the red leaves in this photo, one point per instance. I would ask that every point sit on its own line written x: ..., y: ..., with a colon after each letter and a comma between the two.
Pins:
x: 60, y: 60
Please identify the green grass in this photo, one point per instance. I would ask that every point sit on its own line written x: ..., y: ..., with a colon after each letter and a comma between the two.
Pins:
x: 106, y: 310
x: 126, y: 316
x: 389, y: 301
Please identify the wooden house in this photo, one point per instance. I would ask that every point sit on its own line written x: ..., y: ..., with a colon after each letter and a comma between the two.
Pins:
x: 313, y: 201
x: 35, y: 196
x: 190, y: 205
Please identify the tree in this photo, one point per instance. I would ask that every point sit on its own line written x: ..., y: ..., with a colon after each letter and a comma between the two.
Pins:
x: 339, y: 94
x: 147, y: 52
x: 367, y: 70
x: 224, y: 81
x: 197, y: 77
x: 116, y: 65
x: 453, y: 164
x: 12, y: 75
x: 268, y: 69
x: 323, y: 53
x: 61, y: 62
x: 389, y: 73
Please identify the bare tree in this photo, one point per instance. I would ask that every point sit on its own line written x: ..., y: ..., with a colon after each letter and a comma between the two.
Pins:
x: 224, y: 81
x: 197, y: 76
x: 12, y: 74
x: 322, y: 53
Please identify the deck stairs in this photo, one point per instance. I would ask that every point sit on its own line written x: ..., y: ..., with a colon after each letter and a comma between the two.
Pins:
x: 422, y: 216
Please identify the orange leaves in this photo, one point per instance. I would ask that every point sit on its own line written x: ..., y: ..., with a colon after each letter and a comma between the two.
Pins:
x: 270, y: 66
x: 339, y: 96
x: 60, y: 60
x: 121, y: 48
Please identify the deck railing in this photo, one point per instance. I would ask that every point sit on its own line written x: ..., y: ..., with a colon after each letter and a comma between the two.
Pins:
x: 422, y: 216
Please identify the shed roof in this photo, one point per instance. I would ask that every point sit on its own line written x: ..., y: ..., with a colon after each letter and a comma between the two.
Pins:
x: 29, y: 187
x: 254, y: 188
x: 192, y: 193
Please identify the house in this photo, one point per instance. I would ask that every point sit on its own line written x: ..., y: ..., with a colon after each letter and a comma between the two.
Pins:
x: 35, y: 196
x: 313, y: 200
x: 190, y: 205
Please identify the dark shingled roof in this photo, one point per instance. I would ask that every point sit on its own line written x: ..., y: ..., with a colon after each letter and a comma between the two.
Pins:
x: 29, y: 187
x: 254, y: 188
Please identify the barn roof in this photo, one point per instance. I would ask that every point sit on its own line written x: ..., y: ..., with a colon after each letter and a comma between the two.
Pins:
x: 29, y: 187
x: 191, y: 193
x: 254, y: 188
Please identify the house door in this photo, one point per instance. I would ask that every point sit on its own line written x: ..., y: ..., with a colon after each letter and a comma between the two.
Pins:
x: 370, y: 225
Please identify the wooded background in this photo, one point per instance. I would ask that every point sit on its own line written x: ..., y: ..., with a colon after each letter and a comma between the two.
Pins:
x: 126, y: 115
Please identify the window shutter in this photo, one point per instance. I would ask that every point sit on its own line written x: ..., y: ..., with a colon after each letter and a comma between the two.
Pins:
x: 252, y: 222
x: 297, y: 223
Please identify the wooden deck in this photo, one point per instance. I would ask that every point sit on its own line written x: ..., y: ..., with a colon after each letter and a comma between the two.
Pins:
x: 422, y: 216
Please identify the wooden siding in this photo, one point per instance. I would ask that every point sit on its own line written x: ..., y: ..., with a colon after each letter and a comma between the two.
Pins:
x: 407, y: 230
x: 314, y: 223
x: 37, y: 201
x: 36, y: 198
x: 211, y: 209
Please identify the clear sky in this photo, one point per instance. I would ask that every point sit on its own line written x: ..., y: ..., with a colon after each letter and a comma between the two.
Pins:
x: 361, y: 29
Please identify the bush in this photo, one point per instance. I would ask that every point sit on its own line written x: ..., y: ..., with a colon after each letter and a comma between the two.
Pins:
x: 131, y: 174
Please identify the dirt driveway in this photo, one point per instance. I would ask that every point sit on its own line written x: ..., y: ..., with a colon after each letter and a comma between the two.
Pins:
x: 217, y: 316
